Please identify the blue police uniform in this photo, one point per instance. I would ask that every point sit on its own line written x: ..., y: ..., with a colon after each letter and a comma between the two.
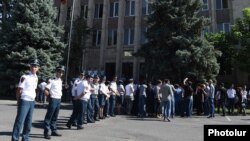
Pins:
x: 54, y: 88
x: 26, y: 102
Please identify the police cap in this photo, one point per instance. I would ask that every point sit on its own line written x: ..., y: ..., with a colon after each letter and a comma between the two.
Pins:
x: 61, y: 67
x: 34, y: 62
x: 103, y: 78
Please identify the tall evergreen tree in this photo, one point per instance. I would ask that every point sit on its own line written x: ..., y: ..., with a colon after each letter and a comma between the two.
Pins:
x: 33, y: 34
x: 175, y: 45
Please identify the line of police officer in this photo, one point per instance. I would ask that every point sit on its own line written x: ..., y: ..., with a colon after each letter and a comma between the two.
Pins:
x: 25, y: 95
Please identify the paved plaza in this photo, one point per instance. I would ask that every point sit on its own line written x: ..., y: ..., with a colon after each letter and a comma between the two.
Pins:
x: 119, y: 128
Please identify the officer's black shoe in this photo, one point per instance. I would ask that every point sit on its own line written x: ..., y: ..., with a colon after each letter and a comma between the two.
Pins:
x: 85, y: 122
x: 47, y: 137
x: 80, y: 127
x: 91, y: 121
x: 55, y: 134
x: 112, y: 115
x: 74, y: 124
x: 69, y: 126
x: 97, y: 119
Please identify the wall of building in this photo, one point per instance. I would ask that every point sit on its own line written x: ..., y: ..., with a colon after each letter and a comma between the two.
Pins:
x: 238, y: 5
x: 117, y: 56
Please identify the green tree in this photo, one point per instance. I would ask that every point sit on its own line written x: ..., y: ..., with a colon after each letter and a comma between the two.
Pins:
x: 79, y: 36
x: 225, y: 42
x: 33, y: 34
x: 175, y: 46
x: 240, y: 31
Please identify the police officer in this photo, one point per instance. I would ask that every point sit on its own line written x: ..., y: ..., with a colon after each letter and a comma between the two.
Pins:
x: 54, y: 90
x: 76, y: 103
x: 25, y: 94
x: 94, y: 98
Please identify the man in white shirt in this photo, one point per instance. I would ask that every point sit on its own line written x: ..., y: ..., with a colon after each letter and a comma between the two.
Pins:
x: 231, y: 95
x: 113, y: 93
x: 75, y: 110
x: 129, y: 96
x: 25, y: 94
x: 54, y: 90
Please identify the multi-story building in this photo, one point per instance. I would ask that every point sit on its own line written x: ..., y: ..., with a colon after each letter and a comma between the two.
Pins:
x: 119, y: 25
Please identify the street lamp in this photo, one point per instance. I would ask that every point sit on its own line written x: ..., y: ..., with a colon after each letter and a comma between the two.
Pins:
x: 69, y: 41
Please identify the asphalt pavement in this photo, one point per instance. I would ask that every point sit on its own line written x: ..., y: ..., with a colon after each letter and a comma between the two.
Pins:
x: 119, y: 128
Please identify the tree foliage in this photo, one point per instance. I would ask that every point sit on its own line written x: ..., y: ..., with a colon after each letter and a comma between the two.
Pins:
x: 240, y: 32
x: 225, y: 42
x: 79, y: 36
x: 32, y: 34
x: 175, y: 45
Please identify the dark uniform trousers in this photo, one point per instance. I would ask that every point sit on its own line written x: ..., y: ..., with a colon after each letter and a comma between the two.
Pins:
x: 51, y: 115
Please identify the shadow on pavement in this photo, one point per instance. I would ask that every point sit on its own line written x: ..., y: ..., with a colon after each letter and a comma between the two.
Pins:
x: 5, y: 133
x: 61, y: 124
x: 143, y: 119
x: 36, y: 136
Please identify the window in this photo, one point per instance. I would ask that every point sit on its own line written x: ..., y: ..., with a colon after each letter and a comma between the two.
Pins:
x: 221, y: 4
x: 84, y: 11
x: 97, y: 37
x: 114, y: 8
x: 112, y: 37
x: 225, y: 27
x: 130, y: 7
x: 98, y: 10
x: 129, y: 36
x: 204, y: 5
x: 146, y: 7
x: 69, y: 13
x: 143, y: 35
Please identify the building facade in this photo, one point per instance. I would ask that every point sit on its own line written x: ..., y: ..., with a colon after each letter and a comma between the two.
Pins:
x: 119, y: 25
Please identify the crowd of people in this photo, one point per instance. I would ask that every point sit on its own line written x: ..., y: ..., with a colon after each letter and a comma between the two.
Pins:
x: 94, y: 98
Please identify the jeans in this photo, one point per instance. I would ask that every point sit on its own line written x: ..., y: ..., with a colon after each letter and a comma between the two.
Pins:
x: 24, y: 117
x: 142, y: 105
x: 188, y: 105
x: 129, y: 104
x: 89, y: 111
x: 106, y: 108
x: 172, y: 106
x: 112, y: 105
x: 74, y: 114
x: 51, y: 115
x: 81, y: 112
x: 95, y: 105
x: 211, y: 106
x: 167, y: 108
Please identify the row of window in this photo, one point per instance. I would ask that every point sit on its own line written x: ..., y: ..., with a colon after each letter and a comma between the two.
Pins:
x: 113, y: 10
x: 129, y: 35
x: 130, y: 8
x: 112, y: 37
x: 220, y: 4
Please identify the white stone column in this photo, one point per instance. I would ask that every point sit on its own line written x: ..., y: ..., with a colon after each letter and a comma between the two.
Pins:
x: 137, y: 37
x: 63, y: 14
x: 90, y: 17
x: 77, y: 9
x: 120, y: 38
x: 91, y: 11
x: 104, y: 32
